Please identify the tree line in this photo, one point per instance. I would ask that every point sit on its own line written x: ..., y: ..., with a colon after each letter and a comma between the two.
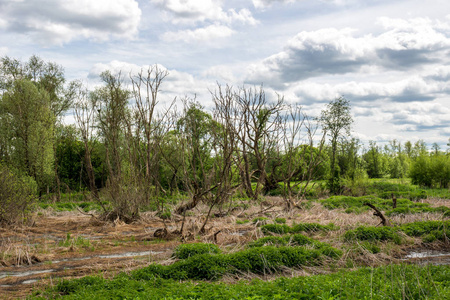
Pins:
x: 128, y: 148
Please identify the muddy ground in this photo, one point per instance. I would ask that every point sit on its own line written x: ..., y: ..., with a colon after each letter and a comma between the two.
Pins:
x: 71, y: 244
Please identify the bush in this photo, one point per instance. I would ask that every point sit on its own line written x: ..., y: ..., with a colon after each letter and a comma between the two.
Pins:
x: 16, y: 194
x: 184, y: 251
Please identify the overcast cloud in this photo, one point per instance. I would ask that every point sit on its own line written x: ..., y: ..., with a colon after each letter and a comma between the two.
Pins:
x: 391, y: 59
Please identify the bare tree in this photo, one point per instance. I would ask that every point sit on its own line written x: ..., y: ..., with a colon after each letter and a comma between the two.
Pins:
x: 258, y: 136
x: 146, y: 86
x: 302, y: 155
x: 85, y: 115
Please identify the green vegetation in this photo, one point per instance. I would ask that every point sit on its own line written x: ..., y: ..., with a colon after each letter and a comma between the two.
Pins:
x: 297, y: 240
x: 428, y: 230
x: 356, y: 205
x: 16, y: 194
x: 370, y: 233
x: 184, y: 251
x: 296, y: 228
x: 390, y: 282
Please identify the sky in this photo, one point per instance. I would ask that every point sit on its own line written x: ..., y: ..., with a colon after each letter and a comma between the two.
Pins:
x: 389, y: 58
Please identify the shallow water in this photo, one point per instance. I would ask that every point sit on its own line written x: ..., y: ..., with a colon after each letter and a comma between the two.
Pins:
x: 435, y: 257
x: 24, y: 273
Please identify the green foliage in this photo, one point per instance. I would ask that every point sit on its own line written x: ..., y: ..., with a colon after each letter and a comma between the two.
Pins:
x: 276, y: 228
x: 280, y: 220
x: 431, y: 171
x: 71, y: 206
x: 16, y: 194
x: 437, y: 228
x: 296, y: 228
x: 240, y: 222
x: 297, y: 240
x: 75, y: 242
x: 404, y: 206
x: 259, y: 220
x: 388, y: 282
x: 184, y: 251
x: 369, y: 233
x: 257, y: 260
x: 428, y: 230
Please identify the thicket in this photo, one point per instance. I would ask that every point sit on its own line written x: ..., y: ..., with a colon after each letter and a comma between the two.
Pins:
x: 388, y: 282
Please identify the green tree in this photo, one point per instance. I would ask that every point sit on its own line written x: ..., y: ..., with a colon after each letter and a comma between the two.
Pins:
x: 336, y: 120
x: 375, y: 161
x: 25, y: 108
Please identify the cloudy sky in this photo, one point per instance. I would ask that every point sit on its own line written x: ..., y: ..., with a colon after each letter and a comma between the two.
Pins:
x: 390, y: 58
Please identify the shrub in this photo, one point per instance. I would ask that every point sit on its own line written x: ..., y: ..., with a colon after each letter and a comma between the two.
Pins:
x: 184, y: 251
x: 16, y: 194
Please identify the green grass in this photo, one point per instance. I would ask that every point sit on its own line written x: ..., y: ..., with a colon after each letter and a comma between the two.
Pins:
x: 296, y: 228
x: 71, y: 206
x: 184, y: 251
x: 356, y: 205
x: 389, y: 282
x: 428, y: 230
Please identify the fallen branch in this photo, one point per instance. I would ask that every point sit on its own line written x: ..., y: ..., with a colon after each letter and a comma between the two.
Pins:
x: 379, y: 214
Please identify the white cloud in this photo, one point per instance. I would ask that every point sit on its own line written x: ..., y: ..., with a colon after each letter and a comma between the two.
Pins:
x: 405, y: 44
x: 193, y: 11
x: 59, y: 22
x: 205, y: 34
x: 266, y: 3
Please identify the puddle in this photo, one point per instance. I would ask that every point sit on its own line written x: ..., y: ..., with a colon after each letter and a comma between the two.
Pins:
x: 29, y: 281
x: 129, y: 254
x: 427, y: 253
x: 434, y: 257
x: 23, y: 274
x: 117, y: 255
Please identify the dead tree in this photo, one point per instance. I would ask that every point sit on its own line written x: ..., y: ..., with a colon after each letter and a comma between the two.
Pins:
x: 85, y: 114
x: 302, y: 155
x: 258, y: 136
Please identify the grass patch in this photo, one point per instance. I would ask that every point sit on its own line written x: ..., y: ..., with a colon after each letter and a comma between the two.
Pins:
x: 296, y: 228
x: 297, y: 240
x: 428, y: 230
x: 388, y: 282
x: 184, y: 251
x: 356, y: 205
